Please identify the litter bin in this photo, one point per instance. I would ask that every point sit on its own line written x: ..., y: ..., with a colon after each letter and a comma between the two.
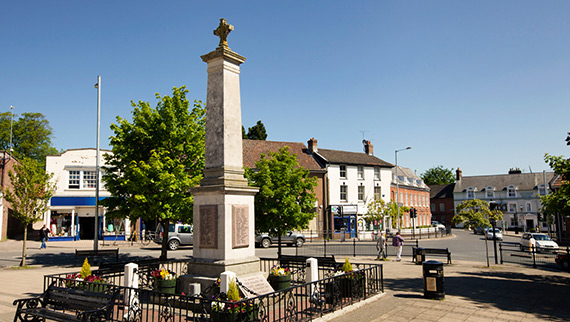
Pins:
x: 433, y: 280
x: 420, y: 255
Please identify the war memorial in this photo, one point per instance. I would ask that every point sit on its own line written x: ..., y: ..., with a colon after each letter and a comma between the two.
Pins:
x: 224, y: 280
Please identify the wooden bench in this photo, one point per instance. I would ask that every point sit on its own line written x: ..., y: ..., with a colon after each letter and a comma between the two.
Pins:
x: 67, y: 304
x: 85, y: 253
x: 296, y: 261
x: 433, y: 251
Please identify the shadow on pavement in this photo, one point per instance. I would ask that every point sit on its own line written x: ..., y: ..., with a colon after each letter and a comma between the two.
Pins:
x: 66, y: 259
x: 545, y: 296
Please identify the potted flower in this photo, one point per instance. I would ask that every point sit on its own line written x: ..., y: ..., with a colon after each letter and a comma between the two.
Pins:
x: 231, y: 307
x: 164, y: 280
x: 351, y: 282
x: 94, y: 283
x: 279, y: 277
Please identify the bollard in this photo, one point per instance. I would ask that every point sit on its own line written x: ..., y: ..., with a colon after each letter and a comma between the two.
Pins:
x: 420, y: 256
x: 225, y: 279
x: 131, y: 281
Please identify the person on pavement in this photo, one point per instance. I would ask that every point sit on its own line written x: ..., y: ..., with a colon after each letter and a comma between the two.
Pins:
x: 381, y: 247
x: 44, y: 235
x: 398, y: 242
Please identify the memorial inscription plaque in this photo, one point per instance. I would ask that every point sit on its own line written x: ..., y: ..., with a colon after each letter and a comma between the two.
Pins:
x: 240, y: 226
x: 209, y: 226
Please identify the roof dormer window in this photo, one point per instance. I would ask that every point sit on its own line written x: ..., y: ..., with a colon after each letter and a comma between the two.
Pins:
x: 511, y: 191
x: 470, y: 193
x: 490, y: 192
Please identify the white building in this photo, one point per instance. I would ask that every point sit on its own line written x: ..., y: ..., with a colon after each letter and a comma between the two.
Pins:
x: 517, y: 195
x: 71, y: 214
x: 353, y: 180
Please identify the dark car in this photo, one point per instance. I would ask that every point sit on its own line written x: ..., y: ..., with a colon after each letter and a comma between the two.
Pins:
x: 563, y: 259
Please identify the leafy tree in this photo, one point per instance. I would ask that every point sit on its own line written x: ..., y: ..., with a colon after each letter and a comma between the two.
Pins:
x: 438, y: 175
x: 243, y: 134
x: 380, y: 211
x: 257, y: 132
x: 558, y: 202
x: 285, y: 200
x: 156, y: 160
x: 476, y: 213
x: 31, y: 191
x: 31, y: 136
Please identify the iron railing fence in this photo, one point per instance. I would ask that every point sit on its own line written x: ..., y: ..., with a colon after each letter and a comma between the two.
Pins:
x: 351, y: 248
x: 301, y: 302
x: 312, y: 235
x: 512, y: 253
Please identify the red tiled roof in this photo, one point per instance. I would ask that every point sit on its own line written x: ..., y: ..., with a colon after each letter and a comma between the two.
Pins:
x: 252, y: 150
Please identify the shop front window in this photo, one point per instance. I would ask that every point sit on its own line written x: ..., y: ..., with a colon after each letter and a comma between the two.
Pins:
x: 60, y: 224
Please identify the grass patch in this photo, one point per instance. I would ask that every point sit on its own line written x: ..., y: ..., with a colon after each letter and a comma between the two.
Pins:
x: 23, y: 267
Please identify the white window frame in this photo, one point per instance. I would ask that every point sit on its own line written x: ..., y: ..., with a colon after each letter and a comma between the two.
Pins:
x: 512, y: 207
x: 360, y: 172
x: 74, y: 181
x: 490, y: 192
x: 376, y: 173
x: 342, y: 171
x: 470, y: 193
x: 528, y: 207
x: 377, y: 192
x: 511, y: 191
x: 541, y: 190
x: 360, y: 193
x: 89, y: 179
x: 345, y: 193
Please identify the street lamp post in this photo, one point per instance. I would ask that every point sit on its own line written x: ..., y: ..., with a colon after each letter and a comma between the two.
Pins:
x: 96, y: 238
x: 398, y: 186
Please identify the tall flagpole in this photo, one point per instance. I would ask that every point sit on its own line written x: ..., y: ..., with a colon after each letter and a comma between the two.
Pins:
x: 96, y: 237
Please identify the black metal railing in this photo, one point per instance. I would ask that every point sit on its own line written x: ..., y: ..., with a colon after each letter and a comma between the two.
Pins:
x: 300, y: 302
x: 513, y: 253
x: 351, y: 248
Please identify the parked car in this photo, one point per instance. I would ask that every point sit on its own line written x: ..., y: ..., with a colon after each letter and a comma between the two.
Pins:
x: 293, y: 239
x: 542, y: 242
x: 178, y: 234
x: 480, y: 230
x: 563, y: 259
x: 437, y: 225
x: 489, y: 233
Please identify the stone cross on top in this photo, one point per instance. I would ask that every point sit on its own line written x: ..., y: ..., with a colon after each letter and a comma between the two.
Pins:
x: 223, y: 31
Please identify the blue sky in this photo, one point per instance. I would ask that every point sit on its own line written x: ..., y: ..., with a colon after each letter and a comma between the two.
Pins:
x: 480, y: 85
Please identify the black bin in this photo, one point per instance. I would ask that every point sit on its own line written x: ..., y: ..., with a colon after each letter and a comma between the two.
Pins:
x: 433, y: 280
x: 420, y: 255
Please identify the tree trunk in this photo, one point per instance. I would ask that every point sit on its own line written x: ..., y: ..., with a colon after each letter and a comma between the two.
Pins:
x: 279, y: 243
x: 164, y: 249
x: 23, y: 262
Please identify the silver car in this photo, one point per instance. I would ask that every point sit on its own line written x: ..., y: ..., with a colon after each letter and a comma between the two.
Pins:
x: 178, y: 235
x: 293, y: 239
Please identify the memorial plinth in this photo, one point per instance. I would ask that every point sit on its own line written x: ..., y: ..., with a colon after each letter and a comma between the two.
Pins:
x: 223, y: 203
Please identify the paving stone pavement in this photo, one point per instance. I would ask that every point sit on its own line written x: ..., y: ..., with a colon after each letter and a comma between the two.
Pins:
x: 473, y: 292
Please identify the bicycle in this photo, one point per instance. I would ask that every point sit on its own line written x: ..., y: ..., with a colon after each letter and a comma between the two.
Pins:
x: 147, y: 237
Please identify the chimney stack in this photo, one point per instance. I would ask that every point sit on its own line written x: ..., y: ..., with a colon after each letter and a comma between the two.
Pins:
x: 458, y: 174
x: 368, y: 147
x: 312, y: 144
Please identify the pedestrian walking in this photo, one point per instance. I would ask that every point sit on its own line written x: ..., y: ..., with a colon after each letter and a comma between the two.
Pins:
x: 398, y: 242
x: 44, y: 236
x: 381, y: 246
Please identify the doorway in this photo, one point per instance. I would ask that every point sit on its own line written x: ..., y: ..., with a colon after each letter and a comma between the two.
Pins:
x: 529, y: 224
x: 86, y: 227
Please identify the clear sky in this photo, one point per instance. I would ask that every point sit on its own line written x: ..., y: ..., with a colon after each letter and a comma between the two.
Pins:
x: 480, y: 85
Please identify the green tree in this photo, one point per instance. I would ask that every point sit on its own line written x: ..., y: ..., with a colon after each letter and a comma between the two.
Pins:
x: 31, y: 136
x: 558, y: 202
x: 257, y: 132
x: 380, y: 211
x: 32, y: 189
x: 438, y: 175
x: 285, y: 200
x: 156, y: 160
x: 476, y: 213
